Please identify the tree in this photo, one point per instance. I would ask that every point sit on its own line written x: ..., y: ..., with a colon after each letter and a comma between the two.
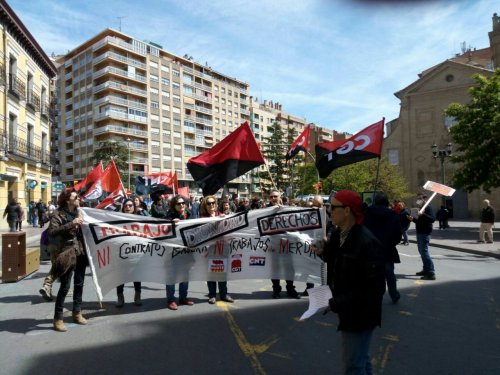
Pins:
x: 107, y: 150
x: 476, y: 136
x: 359, y: 177
x: 274, y: 154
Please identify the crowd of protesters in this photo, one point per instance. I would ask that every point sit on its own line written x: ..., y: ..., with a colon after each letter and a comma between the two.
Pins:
x: 388, y: 224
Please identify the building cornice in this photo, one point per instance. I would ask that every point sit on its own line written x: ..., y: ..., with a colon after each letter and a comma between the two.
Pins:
x: 16, y: 28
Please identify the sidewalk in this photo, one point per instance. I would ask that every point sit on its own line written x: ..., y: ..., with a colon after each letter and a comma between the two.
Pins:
x: 462, y: 236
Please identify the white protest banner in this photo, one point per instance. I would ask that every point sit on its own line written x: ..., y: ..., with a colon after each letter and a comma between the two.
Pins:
x: 272, y: 242
x: 436, y: 188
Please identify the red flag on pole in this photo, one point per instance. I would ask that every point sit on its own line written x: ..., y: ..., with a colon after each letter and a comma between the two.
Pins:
x: 364, y: 145
x: 109, y: 182
x: 230, y: 158
x: 91, y: 177
x: 300, y: 144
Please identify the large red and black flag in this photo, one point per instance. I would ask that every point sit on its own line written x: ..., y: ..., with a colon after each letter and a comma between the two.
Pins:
x: 361, y: 146
x: 230, y: 158
x: 300, y: 144
x: 89, y: 180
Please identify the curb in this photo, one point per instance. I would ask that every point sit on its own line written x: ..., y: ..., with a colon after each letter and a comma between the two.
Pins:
x: 461, y: 249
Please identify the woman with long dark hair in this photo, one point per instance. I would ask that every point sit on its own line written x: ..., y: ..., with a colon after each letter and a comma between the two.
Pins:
x: 69, y: 255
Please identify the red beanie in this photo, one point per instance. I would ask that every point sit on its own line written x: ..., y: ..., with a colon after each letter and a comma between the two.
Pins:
x: 351, y: 199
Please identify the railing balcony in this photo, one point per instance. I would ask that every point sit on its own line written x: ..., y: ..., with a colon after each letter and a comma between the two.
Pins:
x: 33, y: 100
x: 120, y: 72
x: 121, y: 130
x: 121, y: 87
x: 23, y: 149
x: 121, y: 58
x: 120, y: 115
x: 16, y: 86
x: 204, y: 121
x: 120, y: 101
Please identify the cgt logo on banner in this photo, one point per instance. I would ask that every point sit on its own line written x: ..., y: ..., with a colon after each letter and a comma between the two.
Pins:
x: 271, y: 243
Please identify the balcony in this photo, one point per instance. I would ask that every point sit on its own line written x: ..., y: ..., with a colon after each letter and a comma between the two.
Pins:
x: 120, y: 115
x: 121, y: 73
x: 16, y: 87
x: 120, y: 87
x: 118, y: 42
x: 124, y: 102
x: 33, y: 100
x: 121, y: 58
x: 121, y: 130
x: 22, y: 150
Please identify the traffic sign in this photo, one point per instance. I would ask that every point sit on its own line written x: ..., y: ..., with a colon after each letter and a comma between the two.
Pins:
x: 59, y: 186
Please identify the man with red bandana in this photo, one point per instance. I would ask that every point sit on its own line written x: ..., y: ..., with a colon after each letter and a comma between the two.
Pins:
x: 356, y: 276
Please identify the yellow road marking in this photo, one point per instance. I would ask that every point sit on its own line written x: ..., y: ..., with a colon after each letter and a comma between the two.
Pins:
x: 249, y: 350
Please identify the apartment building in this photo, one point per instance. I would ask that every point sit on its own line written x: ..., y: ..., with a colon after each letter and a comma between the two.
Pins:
x: 25, y: 76
x: 165, y: 108
x: 422, y: 123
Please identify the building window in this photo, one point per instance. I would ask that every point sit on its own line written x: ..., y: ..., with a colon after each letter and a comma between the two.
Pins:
x: 393, y: 156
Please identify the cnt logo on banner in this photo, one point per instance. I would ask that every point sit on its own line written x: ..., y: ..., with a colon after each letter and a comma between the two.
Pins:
x: 269, y: 243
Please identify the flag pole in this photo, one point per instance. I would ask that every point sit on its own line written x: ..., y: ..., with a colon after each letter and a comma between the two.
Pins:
x: 376, y: 180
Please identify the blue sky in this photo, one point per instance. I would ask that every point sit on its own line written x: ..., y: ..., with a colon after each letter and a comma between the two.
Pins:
x: 336, y: 62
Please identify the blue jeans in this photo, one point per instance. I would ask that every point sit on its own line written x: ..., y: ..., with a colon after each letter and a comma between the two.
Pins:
x: 405, y: 236
x: 81, y: 264
x: 390, y: 277
x: 355, y: 352
x: 423, y: 248
x: 212, y: 288
x: 12, y: 225
x: 183, y: 292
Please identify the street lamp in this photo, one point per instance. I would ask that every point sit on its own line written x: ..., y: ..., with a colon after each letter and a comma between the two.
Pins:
x: 442, y: 154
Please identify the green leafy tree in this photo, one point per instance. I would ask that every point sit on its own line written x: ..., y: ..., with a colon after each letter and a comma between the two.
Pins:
x: 274, y: 152
x: 476, y: 136
x: 359, y: 177
x: 107, y: 150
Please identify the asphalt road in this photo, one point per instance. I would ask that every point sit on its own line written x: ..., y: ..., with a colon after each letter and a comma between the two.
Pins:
x: 447, y: 326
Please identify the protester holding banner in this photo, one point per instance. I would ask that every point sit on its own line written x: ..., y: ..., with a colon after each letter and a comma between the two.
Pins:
x: 355, y: 263
x: 208, y: 208
x: 140, y: 206
x: 178, y: 212
x: 128, y: 207
x: 275, y: 200
x: 69, y: 255
x: 423, y: 225
x: 159, y: 208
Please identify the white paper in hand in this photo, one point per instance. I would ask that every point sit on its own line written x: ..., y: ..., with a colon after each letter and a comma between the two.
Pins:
x: 318, y: 300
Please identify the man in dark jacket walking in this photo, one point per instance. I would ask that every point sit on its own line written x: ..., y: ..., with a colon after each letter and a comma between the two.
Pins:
x: 384, y: 223
x: 13, y: 213
x: 356, y: 275
x: 423, y: 225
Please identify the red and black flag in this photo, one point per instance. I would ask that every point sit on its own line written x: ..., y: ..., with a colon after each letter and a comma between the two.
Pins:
x: 89, y: 180
x: 109, y: 182
x: 300, y: 144
x: 230, y: 158
x: 364, y: 145
x: 157, y: 183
